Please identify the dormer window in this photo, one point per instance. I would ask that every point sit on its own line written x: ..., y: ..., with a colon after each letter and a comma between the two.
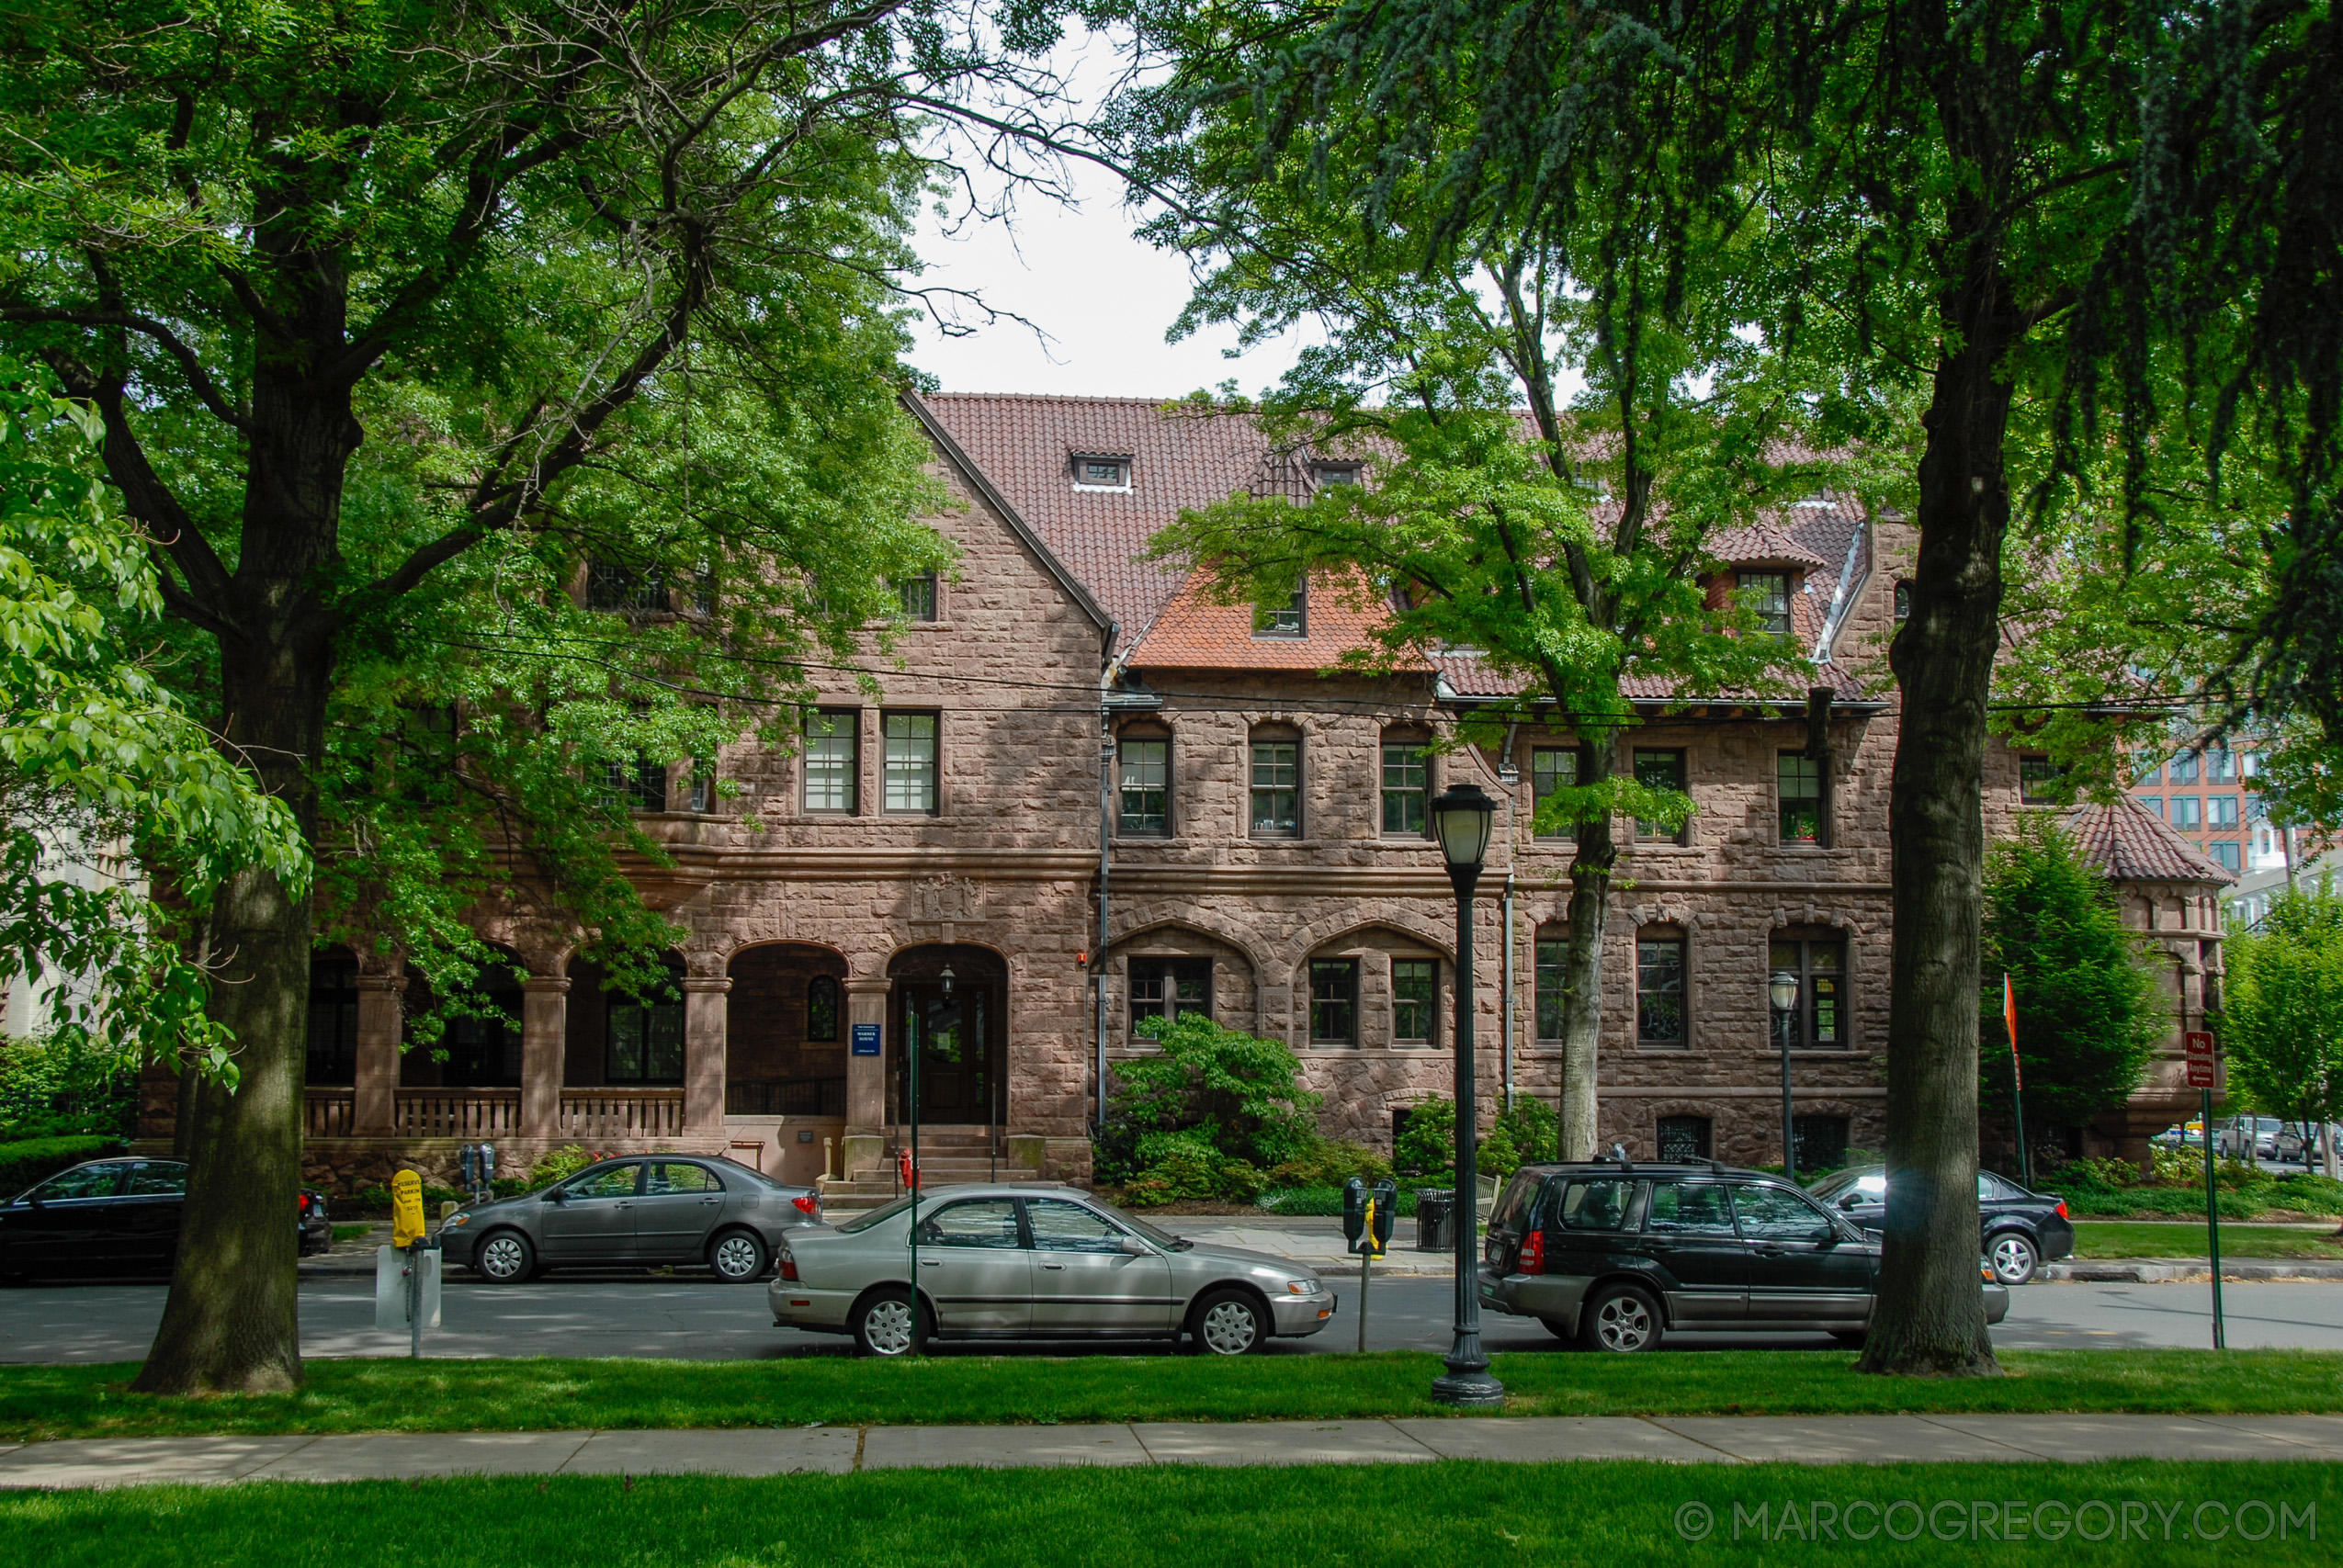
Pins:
x: 1288, y: 619
x: 623, y: 590
x: 1768, y: 593
x: 1095, y: 471
x: 1326, y: 474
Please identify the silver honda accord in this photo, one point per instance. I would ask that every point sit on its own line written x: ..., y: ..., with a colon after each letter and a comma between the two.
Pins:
x: 1036, y: 1262
x: 653, y: 1209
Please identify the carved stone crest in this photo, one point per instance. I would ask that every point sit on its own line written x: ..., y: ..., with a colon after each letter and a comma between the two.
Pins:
x: 947, y: 899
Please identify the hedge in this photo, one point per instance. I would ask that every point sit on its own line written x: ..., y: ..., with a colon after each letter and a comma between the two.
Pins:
x: 29, y: 1159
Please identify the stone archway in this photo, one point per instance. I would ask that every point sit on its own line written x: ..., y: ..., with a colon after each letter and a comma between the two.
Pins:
x: 960, y: 1030
x: 786, y: 1030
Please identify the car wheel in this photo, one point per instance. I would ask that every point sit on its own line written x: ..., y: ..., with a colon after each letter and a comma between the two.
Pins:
x: 884, y: 1324
x: 1230, y: 1323
x: 2012, y: 1256
x: 1621, y: 1317
x: 505, y: 1257
x: 738, y: 1257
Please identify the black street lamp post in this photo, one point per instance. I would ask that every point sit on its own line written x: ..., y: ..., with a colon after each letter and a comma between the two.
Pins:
x: 1462, y: 818
x: 1783, y: 990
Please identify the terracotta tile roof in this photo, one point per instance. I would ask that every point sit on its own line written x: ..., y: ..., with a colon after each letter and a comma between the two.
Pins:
x: 1193, y: 633
x: 2132, y: 843
x: 1767, y: 543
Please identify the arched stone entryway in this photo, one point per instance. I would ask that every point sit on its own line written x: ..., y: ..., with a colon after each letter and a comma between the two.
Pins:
x: 960, y: 1030
x: 785, y: 1041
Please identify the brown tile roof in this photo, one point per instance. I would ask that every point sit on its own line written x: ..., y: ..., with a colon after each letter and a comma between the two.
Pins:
x: 1767, y: 543
x: 2132, y: 843
x: 1193, y: 633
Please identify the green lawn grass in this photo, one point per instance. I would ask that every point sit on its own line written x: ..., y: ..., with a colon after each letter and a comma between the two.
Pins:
x: 349, y: 1232
x: 1475, y: 1514
x: 2121, y: 1238
x: 40, y: 1401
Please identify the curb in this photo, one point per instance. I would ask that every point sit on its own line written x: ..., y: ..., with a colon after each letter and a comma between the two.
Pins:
x: 2170, y: 1271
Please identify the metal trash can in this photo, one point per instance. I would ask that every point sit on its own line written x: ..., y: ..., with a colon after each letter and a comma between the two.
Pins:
x: 1435, y: 1220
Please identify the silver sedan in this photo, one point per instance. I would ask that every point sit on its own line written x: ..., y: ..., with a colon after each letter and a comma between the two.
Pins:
x: 1036, y: 1262
x: 655, y: 1209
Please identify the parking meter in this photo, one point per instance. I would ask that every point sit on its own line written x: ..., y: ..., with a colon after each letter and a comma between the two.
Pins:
x: 1386, y: 1211
x: 1354, y: 1210
x: 406, y: 1210
x: 468, y: 1163
x: 487, y: 1167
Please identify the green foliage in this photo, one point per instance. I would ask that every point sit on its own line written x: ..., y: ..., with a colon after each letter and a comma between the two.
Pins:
x: 28, y: 1160
x: 1324, y: 1200
x: 1426, y: 1146
x: 1496, y: 1155
x: 2106, y: 1175
x: 2281, y: 1020
x: 1239, y: 1094
x: 59, y: 1088
x: 1330, y: 1162
x: 558, y: 1165
x: 1532, y: 1128
x: 2091, y: 1013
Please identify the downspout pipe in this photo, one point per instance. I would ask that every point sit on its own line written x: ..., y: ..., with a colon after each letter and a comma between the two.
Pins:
x: 1510, y: 777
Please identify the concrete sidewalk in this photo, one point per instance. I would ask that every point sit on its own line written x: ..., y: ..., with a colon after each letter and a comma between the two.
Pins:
x: 841, y: 1451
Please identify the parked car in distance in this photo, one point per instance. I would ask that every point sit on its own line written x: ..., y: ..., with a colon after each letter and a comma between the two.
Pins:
x: 1616, y: 1255
x: 2020, y: 1230
x: 118, y: 1215
x: 1036, y: 1262
x: 643, y: 1209
x: 2191, y: 1134
x: 2246, y: 1137
x: 2298, y: 1141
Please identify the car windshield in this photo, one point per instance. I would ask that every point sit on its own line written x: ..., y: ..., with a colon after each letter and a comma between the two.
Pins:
x: 1837, y: 1182
x: 875, y: 1217
x: 1155, y: 1233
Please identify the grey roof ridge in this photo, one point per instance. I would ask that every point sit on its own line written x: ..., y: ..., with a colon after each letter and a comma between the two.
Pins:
x: 984, y: 487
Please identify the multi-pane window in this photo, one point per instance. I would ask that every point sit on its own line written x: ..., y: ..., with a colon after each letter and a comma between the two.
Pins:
x: 2221, y: 767
x: 910, y: 763
x: 833, y: 766
x: 1552, y: 768
x: 1144, y: 764
x: 1406, y: 776
x: 2224, y: 853
x: 2257, y: 810
x: 1661, y: 769
x: 1683, y: 1138
x: 646, y: 1041
x: 1413, y: 994
x: 1288, y: 617
x: 1799, y: 798
x: 918, y: 596
x: 1821, y: 1142
x: 1903, y: 603
x: 641, y: 787
x: 2184, y: 768
x: 1659, y: 991
x: 2147, y: 767
x: 701, y: 787
x: 1169, y: 988
x: 610, y: 586
x: 821, y: 1011
x: 2221, y: 810
x: 1551, y: 981
x: 332, y: 1054
x: 1103, y: 473
x: 2037, y: 778
x: 1816, y: 1019
x: 1324, y: 476
x: 1768, y: 593
x: 1276, y: 788
x: 1334, y: 1001
x: 2185, y: 812
x: 2153, y: 801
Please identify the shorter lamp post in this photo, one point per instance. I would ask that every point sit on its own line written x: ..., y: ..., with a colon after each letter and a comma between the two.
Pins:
x: 1783, y: 989
x: 1461, y: 818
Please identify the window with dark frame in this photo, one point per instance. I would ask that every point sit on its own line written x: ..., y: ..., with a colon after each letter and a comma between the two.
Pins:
x: 1415, y: 994
x: 1102, y: 473
x: 332, y: 1053
x: 911, y: 759
x: 1276, y: 788
x: 1767, y: 592
x: 1290, y: 619
x: 1903, y: 603
x: 1683, y: 1139
x: 1659, y: 991
x: 2038, y: 777
x: 1143, y: 767
x: 622, y: 589
x: 643, y: 787
x: 1169, y: 988
x: 821, y: 1011
x: 1552, y: 768
x: 1661, y: 769
x: 1821, y: 1142
x: 1818, y: 1021
x: 1550, y: 981
x: 833, y: 760
x: 702, y: 786
x: 1406, y: 783
x: 1326, y: 474
x: 917, y: 595
x: 1334, y: 1001
x: 1798, y: 799
x: 645, y: 1044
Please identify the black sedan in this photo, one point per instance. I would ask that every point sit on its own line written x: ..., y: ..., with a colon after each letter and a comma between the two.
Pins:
x: 2023, y: 1230
x: 117, y: 1215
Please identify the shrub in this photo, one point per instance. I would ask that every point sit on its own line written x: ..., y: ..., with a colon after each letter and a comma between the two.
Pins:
x: 2308, y: 1193
x: 1241, y: 1093
x: 60, y: 1090
x: 2108, y: 1175
x: 28, y: 1160
x: 1327, y: 1201
x: 1330, y: 1163
x: 557, y: 1165
x: 1535, y: 1128
x: 1497, y: 1156
x: 1426, y: 1147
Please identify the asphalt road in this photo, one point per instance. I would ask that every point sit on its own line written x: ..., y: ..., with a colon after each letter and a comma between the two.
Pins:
x: 682, y: 1317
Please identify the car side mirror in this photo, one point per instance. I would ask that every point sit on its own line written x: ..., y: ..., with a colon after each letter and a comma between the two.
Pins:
x: 1850, y: 1200
x: 556, y: 1195
x: 1135, y: 1248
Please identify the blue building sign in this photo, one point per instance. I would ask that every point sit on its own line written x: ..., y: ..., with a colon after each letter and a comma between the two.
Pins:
x: 865, y: 1040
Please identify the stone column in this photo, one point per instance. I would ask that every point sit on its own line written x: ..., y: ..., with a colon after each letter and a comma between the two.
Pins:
x: 545, y: 1029
x: 705, y: 1014
x: 865, y: 1140
x: 377, y: 1077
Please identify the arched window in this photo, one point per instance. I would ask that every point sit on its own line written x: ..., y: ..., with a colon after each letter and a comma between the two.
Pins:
x: 822, y: 1009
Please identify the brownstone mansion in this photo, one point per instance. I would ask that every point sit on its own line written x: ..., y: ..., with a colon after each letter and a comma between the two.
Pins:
x: 1077, y: 742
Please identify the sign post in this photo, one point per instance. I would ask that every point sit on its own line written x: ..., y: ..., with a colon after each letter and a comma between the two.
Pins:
x: 2204, y: 1075
x: 406, y: 1272
x: 1367, y: 1217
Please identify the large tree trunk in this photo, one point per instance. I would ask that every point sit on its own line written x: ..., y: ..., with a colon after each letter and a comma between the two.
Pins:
x: 1582, y: 960
x: 1929, y: 1318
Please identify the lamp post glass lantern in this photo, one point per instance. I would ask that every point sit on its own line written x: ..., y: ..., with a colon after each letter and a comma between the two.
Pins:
x: 1463, y: 818
x: 1784, y: 991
